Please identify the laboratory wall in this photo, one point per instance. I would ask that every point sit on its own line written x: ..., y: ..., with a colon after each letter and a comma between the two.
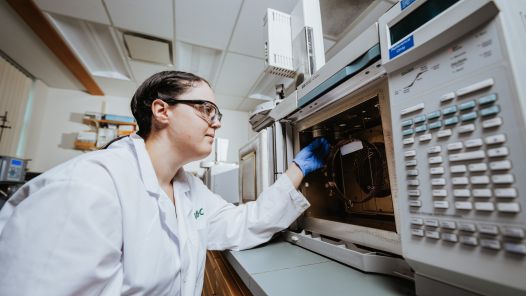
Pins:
x: 57, y: 118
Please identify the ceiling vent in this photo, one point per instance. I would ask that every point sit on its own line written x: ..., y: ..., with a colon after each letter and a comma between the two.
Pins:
x: 149, y: 49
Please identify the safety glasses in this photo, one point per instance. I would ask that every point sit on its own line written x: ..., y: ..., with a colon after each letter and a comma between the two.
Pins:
x: 208, y: 110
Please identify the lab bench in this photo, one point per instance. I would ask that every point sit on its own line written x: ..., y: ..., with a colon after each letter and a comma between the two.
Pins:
x: 281, y: 268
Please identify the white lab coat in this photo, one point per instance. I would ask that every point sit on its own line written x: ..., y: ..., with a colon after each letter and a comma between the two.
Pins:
x: 99, y: 224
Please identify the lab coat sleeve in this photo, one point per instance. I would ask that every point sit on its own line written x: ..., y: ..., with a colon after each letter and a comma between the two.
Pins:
x: 63, y: 237
x: 253, y: 223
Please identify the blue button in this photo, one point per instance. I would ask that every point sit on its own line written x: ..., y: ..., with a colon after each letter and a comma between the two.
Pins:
x: 433, y: 115
x: 407, y: 122
x: 449, y: 110
x: 435, y: 125
x: 420, y: 118
x: 468, y: 116
x: 421, y: 128
x: 490, y: 111
x: 467, y: 105
x: 407, y: 132
x: 451, y: 121
x: 488, y: 99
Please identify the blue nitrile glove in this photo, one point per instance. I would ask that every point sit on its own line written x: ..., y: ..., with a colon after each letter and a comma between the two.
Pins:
x: 311, y: 157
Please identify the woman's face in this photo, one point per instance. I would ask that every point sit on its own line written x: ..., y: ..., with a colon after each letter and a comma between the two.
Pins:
x: 192, y: 132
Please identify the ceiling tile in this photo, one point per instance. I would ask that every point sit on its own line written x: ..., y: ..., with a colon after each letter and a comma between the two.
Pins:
x: 202, y: 61
x: 91, y: 10
x: 248, y: 34
x: 249, y: 105
x: 238, y: 74
x: 228, y: 102
x: 116, y: 87
x: 143, y: 16
x: 141, y: 70
x: 206, y: 23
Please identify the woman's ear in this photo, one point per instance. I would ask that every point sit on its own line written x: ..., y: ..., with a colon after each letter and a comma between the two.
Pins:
x: 160, y: 113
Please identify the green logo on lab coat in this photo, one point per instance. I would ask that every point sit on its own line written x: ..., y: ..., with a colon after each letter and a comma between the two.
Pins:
x: 199, y: 213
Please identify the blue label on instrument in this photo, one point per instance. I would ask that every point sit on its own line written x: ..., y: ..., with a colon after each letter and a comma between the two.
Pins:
x: 404, y: 45
x: 405, y: 3
x: 16, y: 162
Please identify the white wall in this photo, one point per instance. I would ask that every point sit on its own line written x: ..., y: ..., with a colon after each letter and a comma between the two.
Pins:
x: 61, y: 120
x: 57, y: 117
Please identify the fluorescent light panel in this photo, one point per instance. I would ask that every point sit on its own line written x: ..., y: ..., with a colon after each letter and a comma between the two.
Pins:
x: 94, y: 45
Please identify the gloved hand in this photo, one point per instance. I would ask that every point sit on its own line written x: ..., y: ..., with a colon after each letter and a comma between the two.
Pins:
x: 312, y: 156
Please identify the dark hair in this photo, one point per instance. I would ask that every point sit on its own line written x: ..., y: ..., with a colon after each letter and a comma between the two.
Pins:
x: 162, y: 84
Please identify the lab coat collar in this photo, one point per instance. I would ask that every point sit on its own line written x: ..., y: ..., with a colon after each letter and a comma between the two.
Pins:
x: 149, y: 178
x: 147, y: 171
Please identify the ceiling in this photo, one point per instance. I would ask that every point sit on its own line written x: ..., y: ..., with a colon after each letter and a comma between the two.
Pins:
x: 220, y: 40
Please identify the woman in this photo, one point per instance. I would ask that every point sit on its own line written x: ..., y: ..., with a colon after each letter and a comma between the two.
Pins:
x: 128, y: 219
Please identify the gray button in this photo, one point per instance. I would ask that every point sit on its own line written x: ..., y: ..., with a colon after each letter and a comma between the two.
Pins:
x: 460, y: 181
x: 492, y: 244
x: 467, y: 226
x: 425, y: 137
x: 455, y: 146
x: 472, y: 143
x: 468, y: 240
x: 495, y: 139
x: 458, y: 168
x: 479, y: 180
x: 447, y: 97
x: 444, y: 133
x: 436, y: 171
x: 438, y: 181
x: 417, y: 221
x: 417, y: 232
x: 500, y: 165
x: 408, y: 141
x: 488, y: 229
x: 464, y: 205
x: 412, y: 172
x: 432, y: 234
x: 467, y: 128
x: 412, y: 109
x: 508, y: 207
x: 515, y: 248
x: 450, y: 237
x: 415, y: 203
x: 410, y: 163
x: 409, y: 153
x: 498, y: 152
x: 506, y: 192
x: 475, y: 87
x: 434, y: 149
x: 478, y: 167
x: 440, y: 204
x: 431, y: 222
x: 482, y: 192
x: 480, y: 154
x: 414, y: 192
x: 461, y: 193
x: 448, y: 224
x: 484, y: 206
x: 490, y: 123
x: 413, y: 182
x: 435, y: 160
x: 439, y: 193
x: 503, y: 179
x: 512, y: 232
